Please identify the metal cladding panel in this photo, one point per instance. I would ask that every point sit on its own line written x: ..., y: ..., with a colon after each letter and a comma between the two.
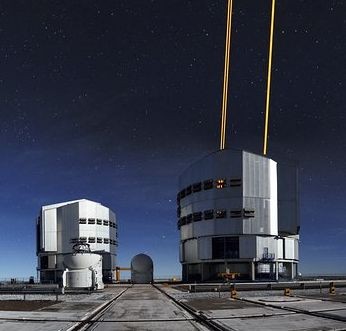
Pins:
x: 296, y: 249
x: 191, y: 251
x: 280, y: 249
x: 260, y: 194
x: 68, y: 226
x: 203, y: 228
x: 228, y: 226
x: 204, y: 248
x: 50, y: 230
x: 290, y: 248
x: 288, y: 198
x: 186, y: 231
x: 247, y: 247
x: 224, y: 163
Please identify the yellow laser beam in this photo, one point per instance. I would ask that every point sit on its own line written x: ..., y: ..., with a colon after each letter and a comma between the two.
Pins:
x: 225, y: 76
x: 266, y: 122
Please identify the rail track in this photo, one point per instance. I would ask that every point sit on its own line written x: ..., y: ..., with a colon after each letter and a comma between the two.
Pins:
x: 95, y: 321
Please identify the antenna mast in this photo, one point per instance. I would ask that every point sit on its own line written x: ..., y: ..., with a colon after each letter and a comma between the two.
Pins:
x: 225, y: 76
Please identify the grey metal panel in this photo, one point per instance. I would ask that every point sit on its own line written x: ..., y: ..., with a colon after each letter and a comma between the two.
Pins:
x: 205, y: 248
x: 181, y: 252
x: 228, y: 226
x: 203, y: 228
x: 216, y: 165
x: 186, y: 232
x: 288, y: 197
x: 289, y: 248
x: 280, y: 249
x: 191, y: 251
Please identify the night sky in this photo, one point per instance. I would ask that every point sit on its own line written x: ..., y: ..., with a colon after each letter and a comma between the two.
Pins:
x: 112, y: 100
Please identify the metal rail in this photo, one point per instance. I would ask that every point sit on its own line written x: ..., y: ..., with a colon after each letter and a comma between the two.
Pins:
x: 96, y: 314
x: 197, y: 316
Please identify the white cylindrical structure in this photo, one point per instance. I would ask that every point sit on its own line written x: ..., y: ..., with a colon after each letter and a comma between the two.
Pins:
x: 228, y: 218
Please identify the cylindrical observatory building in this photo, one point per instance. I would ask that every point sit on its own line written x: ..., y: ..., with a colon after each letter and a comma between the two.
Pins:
x: 235, y: 214
x: 60, y: 226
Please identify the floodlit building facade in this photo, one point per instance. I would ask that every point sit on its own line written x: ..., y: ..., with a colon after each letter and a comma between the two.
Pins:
x: 236, y: 215
x: 61, y: 225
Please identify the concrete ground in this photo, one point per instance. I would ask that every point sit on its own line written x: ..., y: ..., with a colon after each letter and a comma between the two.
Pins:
x: 142, y: 307
x: 270, y: 310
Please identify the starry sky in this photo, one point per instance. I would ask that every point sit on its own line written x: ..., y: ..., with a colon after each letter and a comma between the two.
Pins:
x: 112, y: 100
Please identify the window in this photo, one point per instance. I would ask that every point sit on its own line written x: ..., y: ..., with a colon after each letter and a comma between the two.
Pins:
x: 235, y: 182
x: 183, y: 221
x: 82, y: 221
x: 197, y: 187
x: 106, y: 240
x: 99, y: 222
x: 218, y: 248
x: 209, y: 214
x: 197, y: 216
x: 225, y: 248
x: 249, y: 213
x: 232, y: 247
x: 188, y: 218
x: 221, y: 213
x: 105, y: 222
x: 188, y: 190
x: 208, y: 184
x: 236, y: 213
x: 99, y: 240
x: 91, y: 240
x: 221, y: 183
x: 83, y: 239
x: 91, y: 221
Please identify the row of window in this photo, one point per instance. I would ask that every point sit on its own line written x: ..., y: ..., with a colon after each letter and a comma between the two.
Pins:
x: 94, y: 240
x: 98, y: 221
x: 208, y: 184
x: 218, y: 213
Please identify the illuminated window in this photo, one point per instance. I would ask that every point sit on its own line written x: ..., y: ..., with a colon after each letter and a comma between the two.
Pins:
x: 197, y: 216
x: 221, y: 213
x: 220, y: 183
x: 236, y: 213
x: 91, y: 240
x: 235, y: 182
x: 197, y: 187
x: 91, y: 221
x: 208, y: 184
x: 209, y: 214
x: 99, y: 222
x: 82, y: 221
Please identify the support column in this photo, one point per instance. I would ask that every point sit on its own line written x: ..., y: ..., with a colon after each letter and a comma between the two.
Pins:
x: 292, y: 270
x: 253, y: 275
x: 276, y: 271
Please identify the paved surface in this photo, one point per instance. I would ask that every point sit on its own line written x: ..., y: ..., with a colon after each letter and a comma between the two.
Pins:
x: 142, y: 307
x: 273, y: 312
x: 59, y: 316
